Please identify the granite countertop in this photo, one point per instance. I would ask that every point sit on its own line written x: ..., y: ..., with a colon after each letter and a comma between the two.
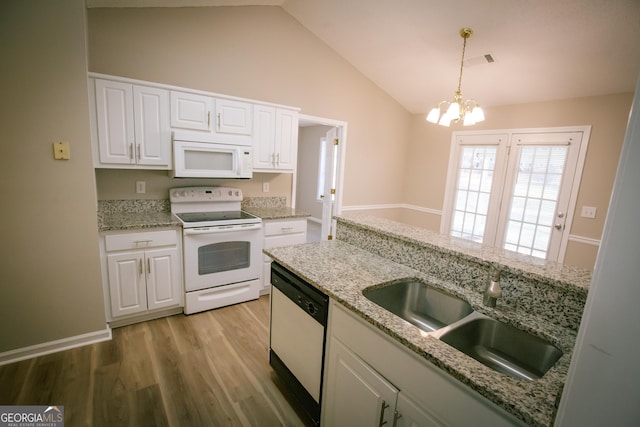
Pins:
x: 549, y: 272
x: 136, y: 220
x: 276, y: 212
x: 353, y: 269
x: 115, y: 215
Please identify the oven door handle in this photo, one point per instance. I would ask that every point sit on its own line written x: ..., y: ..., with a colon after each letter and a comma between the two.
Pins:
x: 212, y: 230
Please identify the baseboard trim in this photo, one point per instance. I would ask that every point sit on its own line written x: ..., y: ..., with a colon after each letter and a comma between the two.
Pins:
x: 392, y: 206
x: 584, y: 240
x: 42, y: 349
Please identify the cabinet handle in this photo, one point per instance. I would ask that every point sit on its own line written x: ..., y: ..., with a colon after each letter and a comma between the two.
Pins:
x: 131, y: 152
x: 208, y: 119
x: 273, y: 159
x: 141, y: 271
x: 142, y: 242
x: 382, y: 408
x: 396, y: 416
x: 218, y: 117
x: 138, y: 151
x: 278, y: 159
x: 286, y: 229
x: 148, y: 266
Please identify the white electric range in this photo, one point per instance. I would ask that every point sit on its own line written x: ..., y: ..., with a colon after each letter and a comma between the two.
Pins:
x: 222, y: 247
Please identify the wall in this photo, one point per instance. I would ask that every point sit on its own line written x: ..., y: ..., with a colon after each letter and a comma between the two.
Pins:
x: 429, y: 148
x: 259, y: 53
x: 50, y: 269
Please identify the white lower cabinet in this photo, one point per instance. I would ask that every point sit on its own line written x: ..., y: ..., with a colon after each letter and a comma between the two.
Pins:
x: 143, y: 273
x: 371, y: 380
x: 277, y: 233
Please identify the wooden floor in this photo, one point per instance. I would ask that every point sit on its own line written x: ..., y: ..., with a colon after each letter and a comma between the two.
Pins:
x: 206, y: 369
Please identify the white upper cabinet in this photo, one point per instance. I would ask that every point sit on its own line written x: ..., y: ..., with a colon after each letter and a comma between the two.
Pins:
x: 210, y: 116
x: 191, y: 111
x: 275, y: 139
x: 132, y: 125
x: 234, y: 117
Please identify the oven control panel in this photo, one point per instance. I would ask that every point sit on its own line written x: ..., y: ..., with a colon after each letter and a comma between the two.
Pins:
x: 205, y: 194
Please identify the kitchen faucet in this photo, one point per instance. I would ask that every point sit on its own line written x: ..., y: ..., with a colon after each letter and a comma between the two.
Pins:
x: 493, y: 291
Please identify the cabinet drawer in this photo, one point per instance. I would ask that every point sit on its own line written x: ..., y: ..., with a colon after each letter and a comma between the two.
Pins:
x: 119, y: 242
x: 285, y: 227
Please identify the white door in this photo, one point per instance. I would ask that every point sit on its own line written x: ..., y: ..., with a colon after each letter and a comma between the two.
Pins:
x: 537, y: 193
x: 152, y: 131
x: 329, y: 183
x: 356, y: 395
x: 516, y: 190
x: 127, y: 285
x: 114, y: 110
x: 164, y: 284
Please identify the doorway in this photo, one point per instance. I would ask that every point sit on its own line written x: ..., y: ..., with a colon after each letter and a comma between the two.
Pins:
x: 318, y: 180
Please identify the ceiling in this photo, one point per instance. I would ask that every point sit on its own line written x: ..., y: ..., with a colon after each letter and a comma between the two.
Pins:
x: 543, y: 49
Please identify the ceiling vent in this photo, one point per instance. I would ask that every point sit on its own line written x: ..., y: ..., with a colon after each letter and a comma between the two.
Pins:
x: 487, y: 58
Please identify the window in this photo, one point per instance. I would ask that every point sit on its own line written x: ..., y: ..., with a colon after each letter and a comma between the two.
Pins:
x: 515, y: 190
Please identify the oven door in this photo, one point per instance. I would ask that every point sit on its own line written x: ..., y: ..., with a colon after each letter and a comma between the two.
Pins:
x: 216, y: 256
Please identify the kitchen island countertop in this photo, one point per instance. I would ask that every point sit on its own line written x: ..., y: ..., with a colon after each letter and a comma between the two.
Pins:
x: 353, y: 269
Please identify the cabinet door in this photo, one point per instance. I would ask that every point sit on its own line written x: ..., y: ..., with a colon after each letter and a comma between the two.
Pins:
x: 164, y: 284
x: 286, y: 142
x: 355, y: 395
x: 152, y: 131
x: 264, y: 135
x: 409, y: 414
x: 191, y: 111
x: 234, y: 117
x: 114, y: 111
x: 127, y: 288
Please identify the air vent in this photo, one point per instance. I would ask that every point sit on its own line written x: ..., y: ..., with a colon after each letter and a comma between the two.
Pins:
x: 487, y: 58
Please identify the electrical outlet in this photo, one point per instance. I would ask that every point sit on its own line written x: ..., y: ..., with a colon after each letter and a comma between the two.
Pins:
x: 265, y: 187
x: 588, y: 212
x: 141, y: 187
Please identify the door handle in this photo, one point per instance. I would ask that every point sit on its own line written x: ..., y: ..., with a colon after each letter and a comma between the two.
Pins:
x: 558, y: 226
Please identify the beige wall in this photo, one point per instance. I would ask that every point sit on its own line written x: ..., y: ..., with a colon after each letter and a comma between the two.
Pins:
x: 608, y: 115
x: 259, y: 53
x: 50, y: 283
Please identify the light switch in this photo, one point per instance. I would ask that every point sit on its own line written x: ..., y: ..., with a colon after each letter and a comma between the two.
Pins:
x: 588, y: 212
x: 141, y: 187
x: 265, y: 187
x: 61, y: 150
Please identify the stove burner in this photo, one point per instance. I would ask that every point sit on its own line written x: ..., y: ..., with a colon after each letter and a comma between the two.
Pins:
x: 189, y: 217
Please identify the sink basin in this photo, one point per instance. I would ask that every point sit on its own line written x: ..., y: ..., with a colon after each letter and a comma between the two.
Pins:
x: 420, y: 304
x: 504, y: 348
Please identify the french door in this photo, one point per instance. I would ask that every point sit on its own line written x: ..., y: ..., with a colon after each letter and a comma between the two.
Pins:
x: 515, y: 190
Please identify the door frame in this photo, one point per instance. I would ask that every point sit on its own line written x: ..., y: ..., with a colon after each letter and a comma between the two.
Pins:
x: 308, y: 120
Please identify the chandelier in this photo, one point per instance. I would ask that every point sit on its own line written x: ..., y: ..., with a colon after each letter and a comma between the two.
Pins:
x: 468, y: 111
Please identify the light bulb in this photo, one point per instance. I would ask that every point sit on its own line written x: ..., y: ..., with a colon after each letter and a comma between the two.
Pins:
x: 433, y: 115
x: 478, y: 114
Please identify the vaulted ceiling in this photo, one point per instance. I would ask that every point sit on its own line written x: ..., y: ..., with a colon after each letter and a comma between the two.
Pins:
x: 542, y: 49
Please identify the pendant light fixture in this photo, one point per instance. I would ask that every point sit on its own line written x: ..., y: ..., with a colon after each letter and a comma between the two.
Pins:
x: 447, y: 112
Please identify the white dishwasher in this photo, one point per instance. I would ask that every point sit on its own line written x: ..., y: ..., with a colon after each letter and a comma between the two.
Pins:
x: 297, y: 337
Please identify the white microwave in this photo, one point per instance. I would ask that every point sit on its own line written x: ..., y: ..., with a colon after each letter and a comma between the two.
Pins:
x: 209, y: 160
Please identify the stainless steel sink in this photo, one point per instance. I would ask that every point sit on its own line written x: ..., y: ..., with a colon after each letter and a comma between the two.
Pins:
x: 420, y: 304
x: 503, y: 348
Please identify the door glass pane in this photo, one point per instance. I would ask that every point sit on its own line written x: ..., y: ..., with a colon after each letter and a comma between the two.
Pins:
x: 534, y: 199
x: 473, y: 191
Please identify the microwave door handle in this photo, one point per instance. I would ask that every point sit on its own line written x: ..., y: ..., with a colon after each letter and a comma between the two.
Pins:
x: 192, y: 231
